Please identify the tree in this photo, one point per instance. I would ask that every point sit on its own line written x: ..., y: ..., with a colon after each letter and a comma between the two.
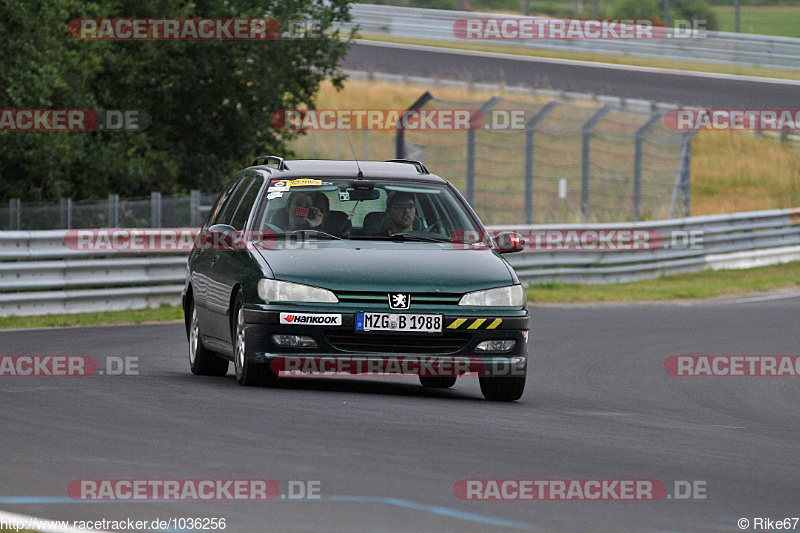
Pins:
x: 210, y: 101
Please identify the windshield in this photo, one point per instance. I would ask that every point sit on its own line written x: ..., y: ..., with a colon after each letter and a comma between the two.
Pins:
x: 349, y: 209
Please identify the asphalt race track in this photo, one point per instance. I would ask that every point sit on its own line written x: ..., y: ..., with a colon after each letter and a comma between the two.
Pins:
x: 599, y: 405
x: 690, y: 89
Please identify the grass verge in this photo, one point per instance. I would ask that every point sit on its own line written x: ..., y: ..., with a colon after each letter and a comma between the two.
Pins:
x: 706, y: 284
x: 165, y: 313
x: 673, y: 64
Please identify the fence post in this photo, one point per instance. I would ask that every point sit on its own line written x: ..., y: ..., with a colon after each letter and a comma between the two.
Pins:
x: 313, y: 143
x: 14, y: 214
x: 482, y: 111
x: 400, y: 136
x: 338, y: 144
x: 530, y: 130
x: 683, y: 178
x: 687, y: 174
x: 637, y: 164
x: 586, y: 131
x: 66, y: 213
x: 194, y: 208
x: 113, y: 210
x: 366, y: 144
x: 155, y: 209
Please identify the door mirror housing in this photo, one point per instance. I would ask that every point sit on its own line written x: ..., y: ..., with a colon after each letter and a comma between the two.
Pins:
x: 509, y: 242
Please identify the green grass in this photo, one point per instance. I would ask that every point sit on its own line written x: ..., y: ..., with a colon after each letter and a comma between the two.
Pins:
x: 765, y: 20
x: 166, y: 313
x: 706, y: 284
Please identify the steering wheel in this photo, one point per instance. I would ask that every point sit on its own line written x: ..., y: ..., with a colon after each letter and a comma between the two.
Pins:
x: 438, y: 221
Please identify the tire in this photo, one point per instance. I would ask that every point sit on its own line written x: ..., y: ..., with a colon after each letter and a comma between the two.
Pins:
x: 202, y: 362
x: 502, y: 388
x: 247, y: 372
x: 436, y: 382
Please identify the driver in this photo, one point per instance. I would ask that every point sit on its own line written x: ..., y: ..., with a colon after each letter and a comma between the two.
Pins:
x: 401, y: 211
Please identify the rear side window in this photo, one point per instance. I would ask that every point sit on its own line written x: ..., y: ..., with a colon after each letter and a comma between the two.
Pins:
x: 229, y: 209
x: 246, y: 203
x: 213, y: 215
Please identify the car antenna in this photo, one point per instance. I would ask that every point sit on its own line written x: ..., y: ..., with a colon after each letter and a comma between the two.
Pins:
x: 360, y: 174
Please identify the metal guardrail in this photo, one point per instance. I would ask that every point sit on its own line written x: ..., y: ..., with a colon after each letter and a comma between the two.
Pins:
x: 708, y: 46
x: 40, y: 275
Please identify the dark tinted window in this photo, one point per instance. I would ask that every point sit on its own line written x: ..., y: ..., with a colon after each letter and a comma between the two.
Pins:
x: 216, y: 209
x: 228, y: 210
x: 246, y: 203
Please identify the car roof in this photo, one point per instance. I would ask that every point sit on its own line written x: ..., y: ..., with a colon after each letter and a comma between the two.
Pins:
x: 332, y: 168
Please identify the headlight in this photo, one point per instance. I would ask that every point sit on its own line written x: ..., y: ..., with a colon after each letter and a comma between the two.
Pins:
x: 511, y: 296
x: 272, y: 290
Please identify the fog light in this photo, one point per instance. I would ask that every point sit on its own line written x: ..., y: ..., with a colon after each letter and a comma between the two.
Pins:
x: 294, y: 341
x: 496, y: 346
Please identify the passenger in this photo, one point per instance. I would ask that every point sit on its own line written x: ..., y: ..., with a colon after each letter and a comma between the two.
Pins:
x: 401, y: 211
x: 307, y: 210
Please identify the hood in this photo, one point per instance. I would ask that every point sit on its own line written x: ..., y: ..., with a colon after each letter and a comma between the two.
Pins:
x: 353, y: 265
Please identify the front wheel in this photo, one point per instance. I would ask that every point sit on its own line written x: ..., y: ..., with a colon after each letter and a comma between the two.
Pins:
x: 202, y: 362
x: 502, y: 388
x: 247, y: 372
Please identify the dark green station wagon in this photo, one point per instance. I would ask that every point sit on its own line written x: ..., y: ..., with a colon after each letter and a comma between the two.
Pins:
x: 359, y: 262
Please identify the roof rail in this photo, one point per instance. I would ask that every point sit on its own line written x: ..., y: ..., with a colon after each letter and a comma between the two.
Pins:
x: 422, y: 169
x: 266, y: 158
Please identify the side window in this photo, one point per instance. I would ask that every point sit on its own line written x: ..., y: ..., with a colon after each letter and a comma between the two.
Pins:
x: 246, y: 204
x: 213, y: 215
x: 226, y: 215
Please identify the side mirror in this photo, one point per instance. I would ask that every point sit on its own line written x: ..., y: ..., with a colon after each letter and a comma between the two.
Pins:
x: 223, y: 236
x: 509, y: 241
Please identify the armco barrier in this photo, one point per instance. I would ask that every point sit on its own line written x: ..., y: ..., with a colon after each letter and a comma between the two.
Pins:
x: 708, y: 46
x: 39, y: 275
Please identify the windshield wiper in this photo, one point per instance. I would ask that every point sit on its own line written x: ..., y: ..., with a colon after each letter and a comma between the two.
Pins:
x: 413, y: 237
x: 311, y: 232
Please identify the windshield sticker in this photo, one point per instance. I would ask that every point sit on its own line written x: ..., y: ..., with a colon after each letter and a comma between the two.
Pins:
x: 344, y: 196
x: 273, y: 195
x: 303, y: 183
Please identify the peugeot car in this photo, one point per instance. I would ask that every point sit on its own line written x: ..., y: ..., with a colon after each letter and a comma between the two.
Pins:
x: 353, y: 261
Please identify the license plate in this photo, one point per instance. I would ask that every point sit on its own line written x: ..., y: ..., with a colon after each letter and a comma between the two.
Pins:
x: 398, y: 322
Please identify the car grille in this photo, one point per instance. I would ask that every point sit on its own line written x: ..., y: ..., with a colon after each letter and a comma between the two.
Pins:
x: 387, y: 343
x: 371, y: 297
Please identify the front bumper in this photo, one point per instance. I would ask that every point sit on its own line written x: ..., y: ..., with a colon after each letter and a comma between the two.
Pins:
x: 455, y: 346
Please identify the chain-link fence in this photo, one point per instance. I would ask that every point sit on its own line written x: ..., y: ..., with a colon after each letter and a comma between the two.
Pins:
x: 560, y: 160
x: 155, y: 211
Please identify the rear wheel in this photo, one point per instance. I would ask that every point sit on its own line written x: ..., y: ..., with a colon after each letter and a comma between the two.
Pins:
x: 502, y: 388
x: 247, y: 372
x: 436, y: 382
x: 203, y: 362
